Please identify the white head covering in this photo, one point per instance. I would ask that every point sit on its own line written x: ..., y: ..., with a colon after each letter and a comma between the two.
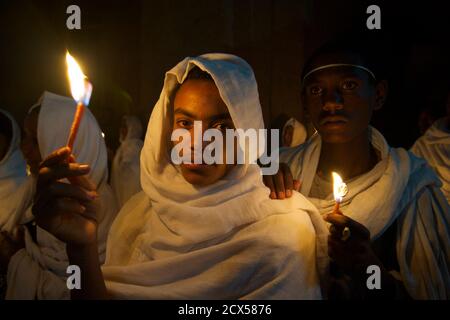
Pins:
x: 55, y: 119
x: 299, y: 132
x: 39, y: 270
x: 236, y: 83
x: 225, y: 240
x: 13, y: 180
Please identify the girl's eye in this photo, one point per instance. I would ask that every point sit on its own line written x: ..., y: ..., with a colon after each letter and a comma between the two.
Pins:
x: 184, y: 123
x: 349, y: 85
x: 221, y: 126
x: 315, y: 90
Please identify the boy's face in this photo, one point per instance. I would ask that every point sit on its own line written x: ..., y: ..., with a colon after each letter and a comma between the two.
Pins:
x: 340, y: 100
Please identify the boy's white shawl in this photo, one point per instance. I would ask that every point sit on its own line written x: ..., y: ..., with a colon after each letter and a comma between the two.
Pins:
x: 400, y: 187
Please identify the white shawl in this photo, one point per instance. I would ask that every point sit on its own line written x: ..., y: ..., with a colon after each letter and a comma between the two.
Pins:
x: 125, y: 171
x: 39, y: 270
x: 223, y: 241
x: 400, y: 187
x: 15, y: 187
x: 434, y: 146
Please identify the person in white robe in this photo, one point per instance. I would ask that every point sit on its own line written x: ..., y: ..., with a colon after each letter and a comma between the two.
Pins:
x: 125, y: 171
x: 209, y: 239
x: 434, y: 147
x: 39, y: 271
x: 394, y: 216
x: 400, y: 188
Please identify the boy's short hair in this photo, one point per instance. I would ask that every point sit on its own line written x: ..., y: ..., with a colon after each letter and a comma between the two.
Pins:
x: 360, y: 45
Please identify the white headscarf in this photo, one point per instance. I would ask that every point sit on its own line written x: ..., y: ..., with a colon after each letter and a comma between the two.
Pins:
x: 54, y: 123
x: 298, y: 132
x: 434, y: 146
x: 227, y: 240
x: 400, y: 187
x: 125, y: 171
x: 15, y: 187
x: 39, y: 270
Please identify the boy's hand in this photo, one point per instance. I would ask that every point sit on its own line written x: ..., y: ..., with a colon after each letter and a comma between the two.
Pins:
x: 282, y: 183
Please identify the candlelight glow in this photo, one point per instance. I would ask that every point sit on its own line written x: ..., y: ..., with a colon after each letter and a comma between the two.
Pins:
x: 81, y: 88
x: 339, y: 187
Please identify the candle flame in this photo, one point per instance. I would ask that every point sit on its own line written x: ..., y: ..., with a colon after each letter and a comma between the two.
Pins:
x: 339, y: 187
x: 79, y: 85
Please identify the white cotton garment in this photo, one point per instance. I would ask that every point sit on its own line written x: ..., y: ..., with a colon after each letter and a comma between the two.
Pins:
x: 39, y: 270
x: 434, y: 147
x: 299, y: 133
x: 125, y: 171
x: 227, y: 240
x: 400, y: 187
x: 16, y: 188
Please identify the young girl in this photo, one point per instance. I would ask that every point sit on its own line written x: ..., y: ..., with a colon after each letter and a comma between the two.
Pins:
x: 39, y: 270
x: 196, y: 231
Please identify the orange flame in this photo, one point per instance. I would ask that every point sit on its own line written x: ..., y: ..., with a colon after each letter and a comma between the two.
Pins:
x: 81, y: 88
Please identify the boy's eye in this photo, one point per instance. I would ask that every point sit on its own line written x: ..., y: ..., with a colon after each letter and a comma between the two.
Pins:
x: 349, y: 85
x: 315, y: 90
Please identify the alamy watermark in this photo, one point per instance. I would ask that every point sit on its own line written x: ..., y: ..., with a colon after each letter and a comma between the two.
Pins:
x: 374, y: 280
x: 374, y: 20
x: 74, y: 279
x: 237, y: 146
x: 73, y: 22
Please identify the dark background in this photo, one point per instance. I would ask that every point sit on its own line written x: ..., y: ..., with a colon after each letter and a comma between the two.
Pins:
x: 125, y: 46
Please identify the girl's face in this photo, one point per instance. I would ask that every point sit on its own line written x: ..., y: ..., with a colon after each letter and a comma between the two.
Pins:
x: 29, y: 145
x: 199, y: 100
